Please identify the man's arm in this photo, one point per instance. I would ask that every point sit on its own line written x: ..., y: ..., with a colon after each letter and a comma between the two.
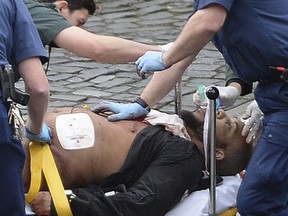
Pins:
x: 36, y: 84
x: 28, y: 50
x: 234, y: 87
x: 107, y: 49
x: 159, y: 86
x: 197, y: 32
x: 162, y: 83
x: 54, y: 29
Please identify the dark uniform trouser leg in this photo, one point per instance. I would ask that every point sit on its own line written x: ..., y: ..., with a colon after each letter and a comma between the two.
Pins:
x: 11, y: 164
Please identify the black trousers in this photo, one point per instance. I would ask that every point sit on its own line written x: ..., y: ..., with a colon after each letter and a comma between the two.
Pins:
x: 159, y: 168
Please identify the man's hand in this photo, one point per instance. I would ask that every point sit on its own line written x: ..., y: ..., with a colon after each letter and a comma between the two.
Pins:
x: 253, y: 124
x: 227, y: 96
x: 44, y: 137
x: 123, y: 111
x: 150, y: 62
x: 41, y: 205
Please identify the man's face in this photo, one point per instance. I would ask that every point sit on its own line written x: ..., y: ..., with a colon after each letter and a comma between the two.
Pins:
x: 232, y: 152
x: 228, y: 129
x: 77, y: 17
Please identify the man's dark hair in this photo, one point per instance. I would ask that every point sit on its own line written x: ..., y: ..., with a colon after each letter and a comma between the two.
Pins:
x: 90, y: 5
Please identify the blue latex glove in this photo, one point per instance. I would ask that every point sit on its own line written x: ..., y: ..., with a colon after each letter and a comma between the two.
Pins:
x: 150, y: 62
x: 44, y: 136
x: 123, y: 111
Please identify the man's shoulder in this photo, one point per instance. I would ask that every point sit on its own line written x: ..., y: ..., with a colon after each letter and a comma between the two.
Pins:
x: 31, y: 3
x: 36, y: 7
x: 48, y: 21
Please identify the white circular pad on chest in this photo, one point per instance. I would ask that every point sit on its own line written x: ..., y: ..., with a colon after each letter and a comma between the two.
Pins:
x: 75, y: 131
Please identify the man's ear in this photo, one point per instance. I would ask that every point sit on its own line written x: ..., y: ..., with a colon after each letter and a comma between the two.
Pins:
x: 61, y: 5
x: 220, y: 154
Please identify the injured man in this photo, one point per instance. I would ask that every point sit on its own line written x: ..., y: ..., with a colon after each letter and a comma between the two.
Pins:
x: 147, y: 164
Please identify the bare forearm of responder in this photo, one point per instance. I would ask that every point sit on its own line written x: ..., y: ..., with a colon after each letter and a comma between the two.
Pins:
x: 161, y: 83
x: 197, y: 32
x: 101, y: 48
x: 36, y: 85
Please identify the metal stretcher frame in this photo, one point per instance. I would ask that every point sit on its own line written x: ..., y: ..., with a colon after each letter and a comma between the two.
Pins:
x: 212, y: 94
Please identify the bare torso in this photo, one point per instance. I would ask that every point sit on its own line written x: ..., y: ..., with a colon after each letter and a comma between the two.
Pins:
x: 89, y: 165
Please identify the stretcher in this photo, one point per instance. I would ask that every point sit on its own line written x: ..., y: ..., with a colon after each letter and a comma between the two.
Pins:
x: 198, y: 202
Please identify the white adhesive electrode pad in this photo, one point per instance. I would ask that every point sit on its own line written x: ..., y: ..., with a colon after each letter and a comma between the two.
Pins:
x: 75, y: 131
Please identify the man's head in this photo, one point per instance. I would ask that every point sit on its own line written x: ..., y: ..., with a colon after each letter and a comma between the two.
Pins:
x: 75, y: 11
x: 232, y: 152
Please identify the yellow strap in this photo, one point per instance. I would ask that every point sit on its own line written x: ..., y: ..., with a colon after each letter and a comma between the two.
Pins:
x: 52, y: 177
x: 36, y: 157
x: 229, y: 212
x: 54, y: 183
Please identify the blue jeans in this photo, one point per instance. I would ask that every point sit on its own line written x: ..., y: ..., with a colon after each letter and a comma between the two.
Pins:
x: 264, y: 190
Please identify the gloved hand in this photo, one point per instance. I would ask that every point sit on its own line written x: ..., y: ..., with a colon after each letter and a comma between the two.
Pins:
x: 227, y: 96
x: 44, y: 137
x: 123, y: 111
x: 253, y: 121
x: 150, y: 62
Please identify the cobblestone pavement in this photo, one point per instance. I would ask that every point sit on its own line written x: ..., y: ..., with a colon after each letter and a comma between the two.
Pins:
x: 76, y: 81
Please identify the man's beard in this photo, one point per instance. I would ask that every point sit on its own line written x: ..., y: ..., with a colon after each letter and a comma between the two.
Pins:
x: 192, y: 123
